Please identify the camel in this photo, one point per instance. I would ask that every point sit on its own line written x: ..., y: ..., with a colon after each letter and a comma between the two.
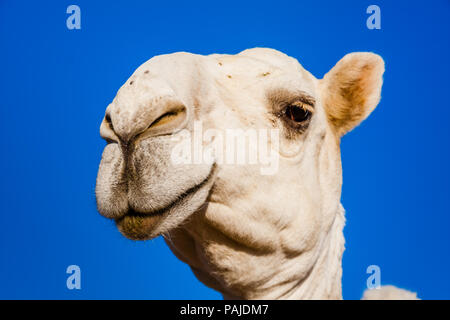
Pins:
x: 245, y: 234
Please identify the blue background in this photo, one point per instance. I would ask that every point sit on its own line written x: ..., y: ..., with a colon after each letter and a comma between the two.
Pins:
x: 55, y: 84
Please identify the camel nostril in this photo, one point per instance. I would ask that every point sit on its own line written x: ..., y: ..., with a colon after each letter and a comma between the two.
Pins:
x: 167, y: 123
x: 160, y: 116
x: 165, y: 118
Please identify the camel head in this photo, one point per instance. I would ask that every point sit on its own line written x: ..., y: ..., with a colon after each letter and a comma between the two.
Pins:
x: 235, y: 160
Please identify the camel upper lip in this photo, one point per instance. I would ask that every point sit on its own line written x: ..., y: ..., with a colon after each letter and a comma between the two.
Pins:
x: 159, y: 212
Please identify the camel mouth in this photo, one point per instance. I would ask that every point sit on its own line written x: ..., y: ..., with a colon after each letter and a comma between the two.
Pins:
x: 137, y: 225
x: 136, y: 214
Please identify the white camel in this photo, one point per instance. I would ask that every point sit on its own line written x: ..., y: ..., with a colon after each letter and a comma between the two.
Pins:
x: 246, y: 234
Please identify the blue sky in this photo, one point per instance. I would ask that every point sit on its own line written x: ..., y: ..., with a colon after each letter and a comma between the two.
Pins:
x: 55, y: 84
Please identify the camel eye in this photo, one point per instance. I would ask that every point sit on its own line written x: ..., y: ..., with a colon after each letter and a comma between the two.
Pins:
x: 297, y: 113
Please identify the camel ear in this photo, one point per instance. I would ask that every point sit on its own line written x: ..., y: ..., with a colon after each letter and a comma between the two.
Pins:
x: 350, y: 91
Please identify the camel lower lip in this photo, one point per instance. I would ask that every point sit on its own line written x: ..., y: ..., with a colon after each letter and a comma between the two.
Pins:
x: 136, y: 227
x: 134, y: 220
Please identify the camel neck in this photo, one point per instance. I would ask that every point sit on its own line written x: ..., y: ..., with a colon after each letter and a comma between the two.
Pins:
x: 324, y: 278
x: 239, y: 272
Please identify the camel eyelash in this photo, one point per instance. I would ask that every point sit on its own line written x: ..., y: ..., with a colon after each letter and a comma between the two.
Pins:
x: 294, y: 110
x: 295, y: 116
